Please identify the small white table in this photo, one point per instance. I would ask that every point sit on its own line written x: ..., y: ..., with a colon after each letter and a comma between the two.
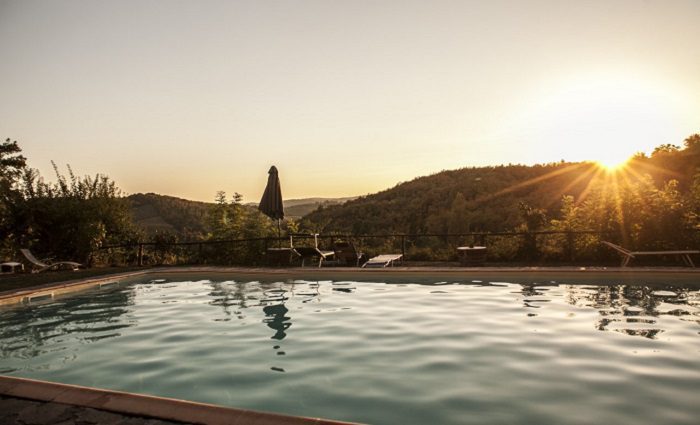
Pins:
x: 11, y: 267
x: 471, y: 255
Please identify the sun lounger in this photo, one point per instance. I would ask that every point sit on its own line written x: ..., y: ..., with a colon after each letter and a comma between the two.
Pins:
x: 384, y: 260
x: 311, y: 252
x: 11, y: 267
x: 281, y: 256
x: 347, y: 254
x: 628, y: 255
x: 40, y: 266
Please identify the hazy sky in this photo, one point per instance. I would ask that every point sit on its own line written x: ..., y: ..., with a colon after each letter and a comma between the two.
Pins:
x: 344, y: 97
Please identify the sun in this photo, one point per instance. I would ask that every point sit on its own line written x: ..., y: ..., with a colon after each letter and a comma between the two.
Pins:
x: 602, y: 117
x: 612, y: 163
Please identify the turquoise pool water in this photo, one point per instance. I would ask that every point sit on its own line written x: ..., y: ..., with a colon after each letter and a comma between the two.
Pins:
x: 411, y: 352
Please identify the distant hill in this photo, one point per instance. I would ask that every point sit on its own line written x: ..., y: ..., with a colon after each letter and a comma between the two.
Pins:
x: 154, y: 213
x: 488, y: 198
x: 297, y: 208
x: 456, y: 201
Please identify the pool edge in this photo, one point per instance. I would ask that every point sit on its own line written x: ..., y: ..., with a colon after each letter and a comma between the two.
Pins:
x: 132, y: 404
x: 63, y: 287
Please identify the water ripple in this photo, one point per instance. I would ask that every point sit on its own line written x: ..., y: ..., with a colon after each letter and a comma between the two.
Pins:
x: 383, y: 353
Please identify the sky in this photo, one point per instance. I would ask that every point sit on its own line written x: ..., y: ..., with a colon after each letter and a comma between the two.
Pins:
x: 186, y: 98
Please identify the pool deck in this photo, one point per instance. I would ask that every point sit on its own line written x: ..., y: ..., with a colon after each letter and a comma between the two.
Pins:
x: 31, y: 402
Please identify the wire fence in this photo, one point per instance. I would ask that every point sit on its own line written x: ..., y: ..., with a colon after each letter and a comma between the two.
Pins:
x: 544, y: 247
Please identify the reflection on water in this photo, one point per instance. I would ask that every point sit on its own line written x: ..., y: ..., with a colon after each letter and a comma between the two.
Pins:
x: 276, y: 319
x: 55, y: 330
x: 405, y: 352
x: 635, y: 310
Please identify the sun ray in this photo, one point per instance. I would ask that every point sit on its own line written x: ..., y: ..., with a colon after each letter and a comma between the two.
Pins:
x: 637, y: 175
x: 652, y: 168
x: 590, y: 171
x: 618, y: 205
x: 591, y: 184
x: 625, y: 174
x: 532, y: 181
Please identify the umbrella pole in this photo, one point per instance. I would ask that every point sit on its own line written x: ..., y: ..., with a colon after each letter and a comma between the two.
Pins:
x: 279, y: 234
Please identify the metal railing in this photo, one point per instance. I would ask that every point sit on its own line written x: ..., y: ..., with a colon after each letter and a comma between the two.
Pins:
x: 503, y: 247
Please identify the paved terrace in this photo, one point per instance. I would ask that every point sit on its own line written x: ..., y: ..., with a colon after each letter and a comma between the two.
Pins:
x: 27, y: 412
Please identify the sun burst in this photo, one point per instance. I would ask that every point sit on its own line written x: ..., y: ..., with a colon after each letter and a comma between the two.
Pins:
x: 612, y: 164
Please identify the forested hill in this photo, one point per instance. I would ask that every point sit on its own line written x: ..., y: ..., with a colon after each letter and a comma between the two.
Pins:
x: 489, y: 198
x: 154, y: 213
x: 297, y: 208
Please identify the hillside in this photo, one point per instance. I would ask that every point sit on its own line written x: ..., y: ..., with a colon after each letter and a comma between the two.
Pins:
x: 154, y: 213
x: 487, y: 199
x: 456, y: 201
x: 297, y: 208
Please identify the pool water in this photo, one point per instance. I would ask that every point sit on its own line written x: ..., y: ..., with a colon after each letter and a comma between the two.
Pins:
x: 412, y: 352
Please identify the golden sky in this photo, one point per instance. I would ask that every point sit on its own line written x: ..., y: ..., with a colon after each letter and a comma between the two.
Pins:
x: 344, y: 97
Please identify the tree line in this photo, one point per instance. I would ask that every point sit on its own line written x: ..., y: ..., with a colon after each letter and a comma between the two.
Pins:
x: 73, y: 217
x: 652, y: 203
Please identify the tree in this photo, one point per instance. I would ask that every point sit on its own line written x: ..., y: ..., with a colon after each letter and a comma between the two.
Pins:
x: 12, y: 165
x: 692, y: 142
x: 458, y: 216
x: 73, y: 217
x: 665, y: 149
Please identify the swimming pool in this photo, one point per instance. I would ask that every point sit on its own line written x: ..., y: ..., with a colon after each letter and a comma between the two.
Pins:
x: 391, y: 350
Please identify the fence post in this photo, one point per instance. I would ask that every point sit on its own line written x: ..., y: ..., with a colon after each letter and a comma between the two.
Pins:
x: 570, y: 245
x: 140, y: 255
x: 403, y: 247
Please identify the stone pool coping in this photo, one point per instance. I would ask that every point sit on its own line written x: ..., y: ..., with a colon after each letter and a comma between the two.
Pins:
x: 139, y: 405
x: 583, y: 275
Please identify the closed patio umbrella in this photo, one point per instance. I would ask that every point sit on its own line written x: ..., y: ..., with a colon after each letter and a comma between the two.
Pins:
x: 271, y: 202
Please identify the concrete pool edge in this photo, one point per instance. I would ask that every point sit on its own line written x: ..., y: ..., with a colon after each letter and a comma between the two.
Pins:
x: 140, y: 405
x: 51, y: 290
x: 63, y: 287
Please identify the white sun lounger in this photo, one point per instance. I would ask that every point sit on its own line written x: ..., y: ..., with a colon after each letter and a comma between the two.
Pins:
x: 383, y: 260
x: 628, y: 255
x: 40, y: 266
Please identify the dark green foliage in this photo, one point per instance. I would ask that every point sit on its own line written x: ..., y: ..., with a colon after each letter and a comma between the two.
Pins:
x: 232, y: 221
x: 158, y: 214
x: 474, y: 199
x: 12, y: 165
x: 651, y: 205
x: 69, y: 219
